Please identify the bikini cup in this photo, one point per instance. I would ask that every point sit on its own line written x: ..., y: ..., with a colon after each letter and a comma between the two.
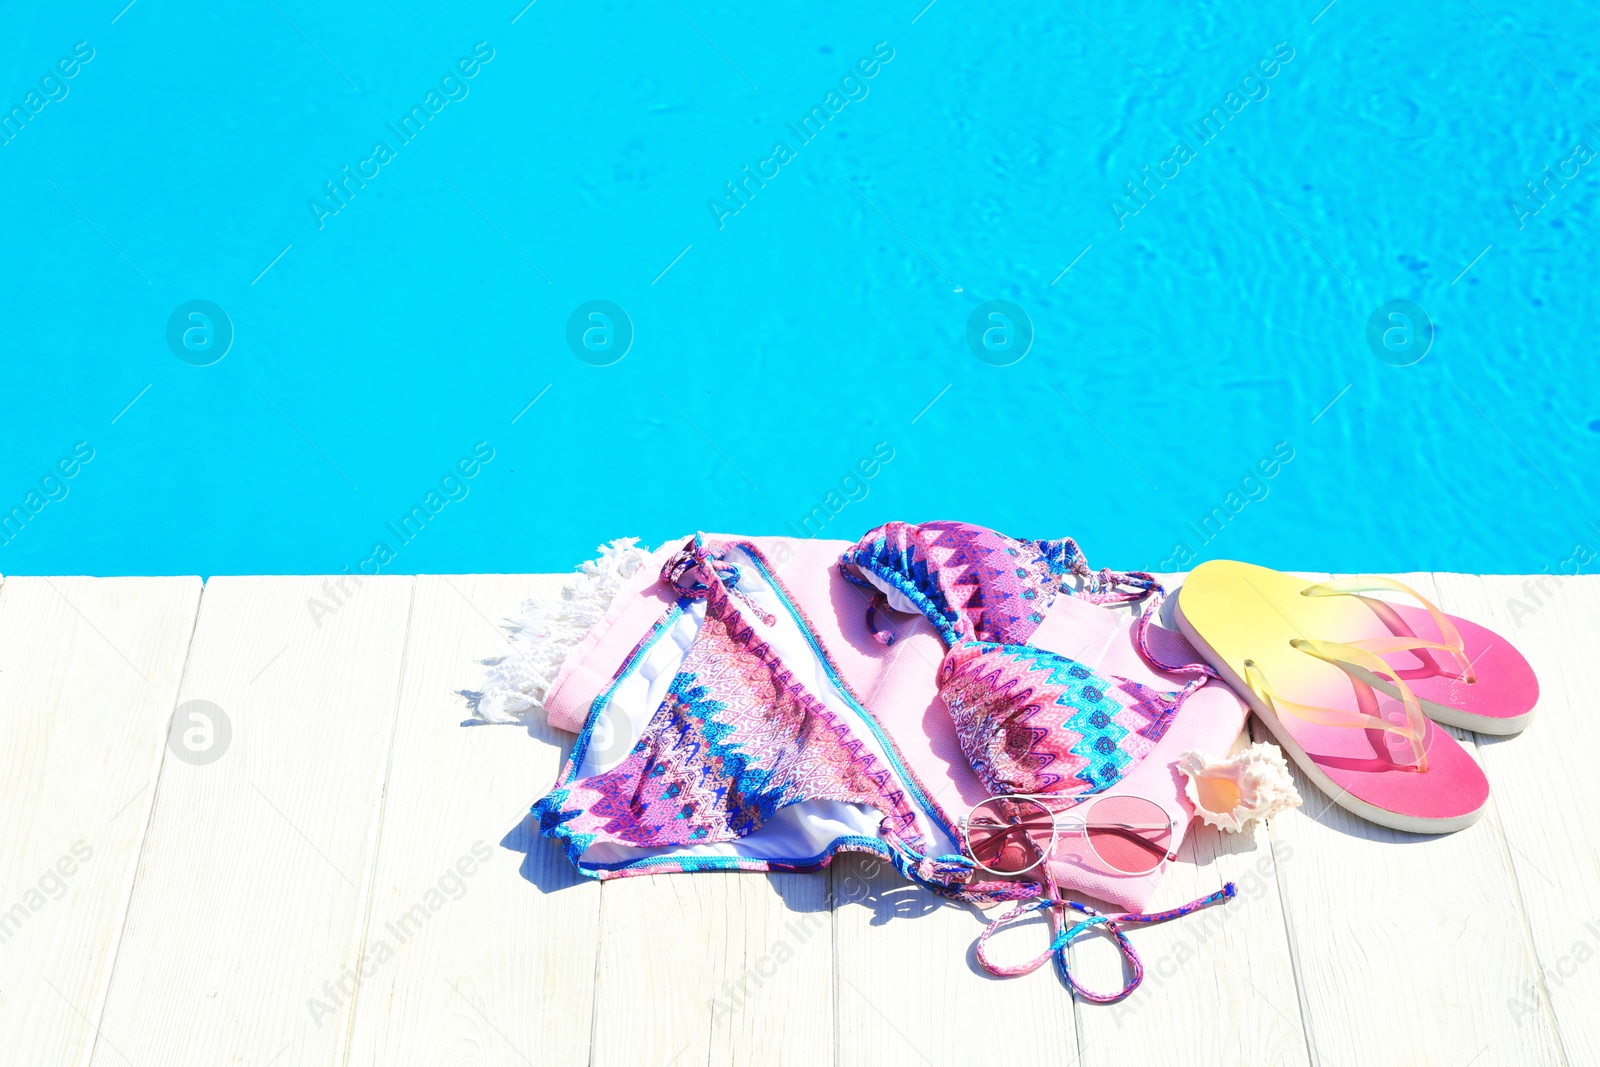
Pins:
x: 976, y: 583
x: 1034, y: 721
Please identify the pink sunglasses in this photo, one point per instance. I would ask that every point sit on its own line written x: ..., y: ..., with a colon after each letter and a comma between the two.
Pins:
x: 1008, y: 835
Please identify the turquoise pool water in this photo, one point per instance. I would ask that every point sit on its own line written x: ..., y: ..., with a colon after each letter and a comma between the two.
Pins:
x: 288, y: 282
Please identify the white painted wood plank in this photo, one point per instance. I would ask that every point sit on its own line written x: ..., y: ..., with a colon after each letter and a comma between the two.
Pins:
x: 250, y: 887
x: 1407, y: 946
x: 497, y: 966
x: 715, y: 968
x: 1546, y: 791
x: 1219, y: 985
x: 89, y: 670
x: 911, y: 991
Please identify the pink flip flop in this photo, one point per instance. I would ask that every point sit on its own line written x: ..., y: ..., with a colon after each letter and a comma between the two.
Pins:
x: 1477, y: 682
x: 1369, y: 746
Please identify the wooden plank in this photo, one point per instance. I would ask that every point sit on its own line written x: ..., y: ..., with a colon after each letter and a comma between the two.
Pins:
x: 89, y: 669
x: 715, y: 968
x: 1546, y: 792
x: 250, y: 888
x: 1407, y: 946
x: 497, y: 966
x: 1219, y: 985
x: 910, y: 990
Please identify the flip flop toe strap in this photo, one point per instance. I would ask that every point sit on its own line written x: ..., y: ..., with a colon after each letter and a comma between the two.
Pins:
x: 1344, y: 656
x: 1355, y: 584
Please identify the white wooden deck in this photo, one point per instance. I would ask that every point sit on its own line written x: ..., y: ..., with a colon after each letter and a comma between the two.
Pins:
x: 354, y: 881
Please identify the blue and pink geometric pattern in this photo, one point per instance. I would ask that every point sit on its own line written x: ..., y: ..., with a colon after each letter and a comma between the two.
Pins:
x: 976, y: 583
x: 1032, y: 721
x: 736, y: 739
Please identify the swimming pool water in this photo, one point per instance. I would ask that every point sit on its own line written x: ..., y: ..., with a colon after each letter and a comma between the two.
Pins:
x: 484, y: 286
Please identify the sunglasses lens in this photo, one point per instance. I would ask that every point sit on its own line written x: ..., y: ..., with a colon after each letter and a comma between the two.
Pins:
x: 1008, y: 835
x: 1129, y: 834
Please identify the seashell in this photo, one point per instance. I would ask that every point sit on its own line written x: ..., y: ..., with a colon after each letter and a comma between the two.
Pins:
x: 1250, y: 784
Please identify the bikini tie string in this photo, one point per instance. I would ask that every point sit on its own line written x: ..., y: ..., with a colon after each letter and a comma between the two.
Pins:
x: 691, y: 570
x: 1099, y: 587
x: 882, y: 634
x: 1201, y: 671
x: 950, y: 876
x: 1067, y: 934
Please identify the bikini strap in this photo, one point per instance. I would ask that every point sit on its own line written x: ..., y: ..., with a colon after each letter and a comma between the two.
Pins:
x: 882, y: 634
x: 1119, y: 587
x: 981, y: 950
x: 1201, y: 671
x: 1064, y: 937
x: 1059, y: 945
x: 951, y: 876
x: 1099, y: 587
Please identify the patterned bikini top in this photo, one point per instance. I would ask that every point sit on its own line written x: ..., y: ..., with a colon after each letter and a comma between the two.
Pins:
x: 973, y: 582
x: 1029, y: 720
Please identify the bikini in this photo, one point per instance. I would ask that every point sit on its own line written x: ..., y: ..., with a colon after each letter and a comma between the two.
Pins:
x: 970, y: 581
x: 729, y: 741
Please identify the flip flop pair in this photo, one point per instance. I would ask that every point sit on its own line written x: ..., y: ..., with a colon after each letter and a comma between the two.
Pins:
x: 1352, y: 686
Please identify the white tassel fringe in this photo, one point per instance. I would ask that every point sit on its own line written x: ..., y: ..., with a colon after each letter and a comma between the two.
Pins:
x: 546, y: 633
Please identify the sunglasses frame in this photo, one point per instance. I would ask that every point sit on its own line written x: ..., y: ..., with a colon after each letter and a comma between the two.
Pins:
x: 1078, y: 812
